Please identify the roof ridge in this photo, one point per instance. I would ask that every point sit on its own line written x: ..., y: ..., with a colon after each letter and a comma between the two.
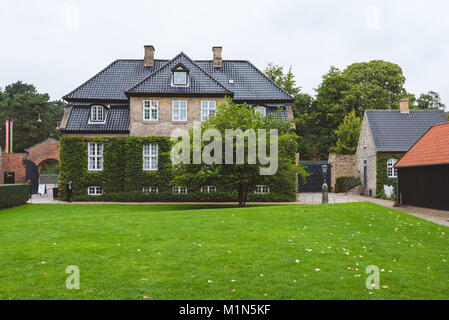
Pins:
x: 49, y: 138
x: 168, y: 62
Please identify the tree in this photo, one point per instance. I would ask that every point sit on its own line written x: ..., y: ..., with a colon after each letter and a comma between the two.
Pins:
x: 285, y: 81
x: 242, y: 177
x: 348, y: 134
x: 430, y: 100
x: 25, y: 105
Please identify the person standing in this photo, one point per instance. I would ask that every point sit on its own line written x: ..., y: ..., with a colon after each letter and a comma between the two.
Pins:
x: 30, y: 185
x: 69, y: 190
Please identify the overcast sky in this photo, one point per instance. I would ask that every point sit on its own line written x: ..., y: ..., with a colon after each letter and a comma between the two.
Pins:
x: 57, y: 45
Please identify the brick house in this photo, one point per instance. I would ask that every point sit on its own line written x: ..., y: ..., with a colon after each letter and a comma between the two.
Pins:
x: 385, y: 136
x: 151, y: 97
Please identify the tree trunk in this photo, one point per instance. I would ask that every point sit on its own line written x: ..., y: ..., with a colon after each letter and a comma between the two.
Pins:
x: 241, y: 196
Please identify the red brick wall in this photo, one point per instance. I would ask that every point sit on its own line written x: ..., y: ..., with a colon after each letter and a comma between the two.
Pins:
x: 45, y: 150
x: 14, y: 162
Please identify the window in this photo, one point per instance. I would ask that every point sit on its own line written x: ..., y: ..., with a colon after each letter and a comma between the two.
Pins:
x: 95, y: 151
x: 149, y: 190
x: 150, y: 155
x: 262, y: 189
x: 207, y: 109
x: 95, y: 191
x: 150, y: 110
x: 209, y: 189
x: 391, y: 170
x: 180, y: 78
x: 179, y: 110
x: 97, y: 114
x: 181, y: 190
x: 262, y: 111
x: 364, y: 140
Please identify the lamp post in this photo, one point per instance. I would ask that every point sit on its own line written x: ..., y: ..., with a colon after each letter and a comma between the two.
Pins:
x: 324, y: 189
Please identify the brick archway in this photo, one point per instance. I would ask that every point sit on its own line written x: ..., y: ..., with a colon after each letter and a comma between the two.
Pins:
x: 43, y: 151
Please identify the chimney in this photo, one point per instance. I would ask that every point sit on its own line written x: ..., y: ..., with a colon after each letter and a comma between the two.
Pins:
x: 148, y: 60
x: 218, y: 61
x: 403, y: 106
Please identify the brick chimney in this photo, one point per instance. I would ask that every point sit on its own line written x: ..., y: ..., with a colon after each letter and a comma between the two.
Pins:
x: 148, y: 60
x: 218, y: 61
x: 403, y: 106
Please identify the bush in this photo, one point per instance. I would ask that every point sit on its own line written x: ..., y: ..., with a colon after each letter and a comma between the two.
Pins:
x: 340, y: 183
x: 12, y: 195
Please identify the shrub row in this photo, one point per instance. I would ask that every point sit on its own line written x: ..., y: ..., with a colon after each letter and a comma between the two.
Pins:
x: 12, y: 195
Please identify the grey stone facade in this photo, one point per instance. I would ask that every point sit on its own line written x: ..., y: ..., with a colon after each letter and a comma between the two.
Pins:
x: 366, y: 158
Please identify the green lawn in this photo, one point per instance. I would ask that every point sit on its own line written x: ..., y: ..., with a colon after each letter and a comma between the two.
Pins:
x: 206, y: 252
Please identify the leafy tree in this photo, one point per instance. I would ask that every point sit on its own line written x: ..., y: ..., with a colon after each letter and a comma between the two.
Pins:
x: 25, y: 105
x: 348, y: 134
x: 241, y: 177
x: 430, y: 100
x: 285, y: 81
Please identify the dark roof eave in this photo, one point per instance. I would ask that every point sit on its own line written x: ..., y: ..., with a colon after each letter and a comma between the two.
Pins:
x: 94, y: 131
x: 177, y: 94
x: 423, y: 165
x: 271, y: 101
x: 95, y: 100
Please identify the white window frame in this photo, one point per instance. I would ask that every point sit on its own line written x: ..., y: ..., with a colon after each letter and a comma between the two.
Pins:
x: 94, y: 190
x: 97, y: 114
x: 208, y: 109
x: 150, y: 151
x: 364, y: 140
x: 177, y: 107
x: 149, y: 190
x: 95, y: 158
x: 209, y: 189
x: 179, y: 190
x: 150, y: 106
x: 262, y: 189
x: 259, y: 110
x: 175, y: 73
x: 392, y: 172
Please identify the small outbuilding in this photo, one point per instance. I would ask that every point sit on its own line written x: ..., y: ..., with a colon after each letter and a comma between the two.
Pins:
x: 423, y: 172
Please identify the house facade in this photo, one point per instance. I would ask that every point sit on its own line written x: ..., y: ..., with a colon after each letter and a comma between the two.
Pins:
x: 141, y: 102
x: 385, y: 136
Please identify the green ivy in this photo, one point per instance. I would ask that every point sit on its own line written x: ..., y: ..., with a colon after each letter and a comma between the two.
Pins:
x: 123, y: 177
x: 382, y: 176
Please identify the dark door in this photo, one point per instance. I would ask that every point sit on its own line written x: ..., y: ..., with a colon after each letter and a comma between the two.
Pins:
x: 314, y: 182
x: 365, y: 173
x: 9, y: 177
x: 32, y: 173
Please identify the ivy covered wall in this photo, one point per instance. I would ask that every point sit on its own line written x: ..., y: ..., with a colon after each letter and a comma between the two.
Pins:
x: 123, y: 177
x: 382, y: 175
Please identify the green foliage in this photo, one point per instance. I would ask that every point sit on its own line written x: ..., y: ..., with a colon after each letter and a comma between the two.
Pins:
x: 382, y: 176
x: 12, y: 195
x: 430, y: 100
x: 24, y: 104
x: 285, y: 81
x: 340, y: 182
x: 348, y: 134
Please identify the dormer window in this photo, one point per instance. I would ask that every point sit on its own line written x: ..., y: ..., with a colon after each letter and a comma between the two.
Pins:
x: 180, y: 75
x: 97, y: 113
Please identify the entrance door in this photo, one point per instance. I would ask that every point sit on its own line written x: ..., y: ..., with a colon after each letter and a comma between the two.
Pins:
x: 9, y: 177
x: 365, y: 173
x: 32, y: 173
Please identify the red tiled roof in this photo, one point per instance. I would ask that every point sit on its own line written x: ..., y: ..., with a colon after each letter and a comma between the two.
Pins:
x: 432, y: 148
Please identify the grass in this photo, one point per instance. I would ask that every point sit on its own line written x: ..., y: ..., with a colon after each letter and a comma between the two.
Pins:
x: 205, y: 252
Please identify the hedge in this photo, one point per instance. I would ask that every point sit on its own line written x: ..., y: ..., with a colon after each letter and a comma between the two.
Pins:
x: 12, y: 195
x: 122, y: 177
x: 340, y: 182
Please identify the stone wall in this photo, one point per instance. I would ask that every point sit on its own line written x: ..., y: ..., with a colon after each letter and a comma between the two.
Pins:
x: 164, y: 125
x: 342, y: 166
x: 367, y: 152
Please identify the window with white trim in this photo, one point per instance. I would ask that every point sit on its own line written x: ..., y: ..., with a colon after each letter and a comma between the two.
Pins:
x: 262, y: 111
x: 97, y: 113
x: 180, y: 78
x: 94, y: 190
x: 364, y: 140
x: 179, y: 110
x: 209, y: 189
x: 207, y: 109
x: 392, y: 172
x: 151, y: 110
x: 150, y: 155
x: 149, y: 190
x: 95, y: 156
x: 180, y: 190
x: 262, y: 189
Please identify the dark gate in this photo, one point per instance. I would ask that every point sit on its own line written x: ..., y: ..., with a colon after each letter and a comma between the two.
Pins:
x: 32, y: 173
x: 314, y: 182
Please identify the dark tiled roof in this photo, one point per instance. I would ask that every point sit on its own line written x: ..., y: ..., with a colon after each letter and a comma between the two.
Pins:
x: 393, y: 131
x: 117, y: 119
x: 249, y: 83
x: 200, y: 82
